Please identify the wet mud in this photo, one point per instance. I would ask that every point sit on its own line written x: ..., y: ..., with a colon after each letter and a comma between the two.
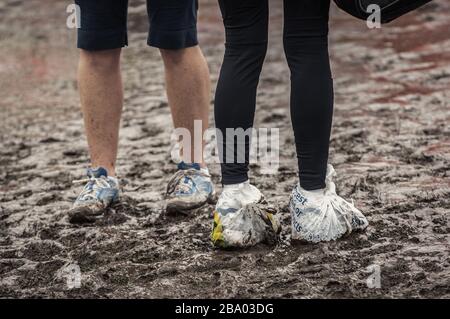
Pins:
x: 390, y: 148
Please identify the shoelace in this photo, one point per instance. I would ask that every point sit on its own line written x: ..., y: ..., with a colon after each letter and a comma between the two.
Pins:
x: 184, y: 187
x: 175, y: 181
x: 93, y: 182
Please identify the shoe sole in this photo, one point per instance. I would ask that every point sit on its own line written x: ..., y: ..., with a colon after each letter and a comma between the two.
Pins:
x: 88, y: 215
x: 84, y: 215
x: 181, y: 207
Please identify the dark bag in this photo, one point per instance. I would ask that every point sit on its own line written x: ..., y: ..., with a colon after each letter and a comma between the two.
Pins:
x: 390, y: 9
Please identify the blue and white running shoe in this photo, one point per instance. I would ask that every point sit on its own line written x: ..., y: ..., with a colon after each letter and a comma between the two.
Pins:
x: 322, y: 215
x: 99, y: 193
x: 189, y: 188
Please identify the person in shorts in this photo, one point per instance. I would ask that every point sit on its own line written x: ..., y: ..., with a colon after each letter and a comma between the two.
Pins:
x: 101, y: 36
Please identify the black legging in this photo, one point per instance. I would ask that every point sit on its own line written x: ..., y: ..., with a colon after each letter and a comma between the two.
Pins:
x: 306, y: 48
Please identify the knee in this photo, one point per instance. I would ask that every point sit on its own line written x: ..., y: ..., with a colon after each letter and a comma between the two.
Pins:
x: 178, y: 56
x: 259, y: 50
x: 101, y: 61
x: 306, y: 42
x: 307, y: 52
x: 253, y: 53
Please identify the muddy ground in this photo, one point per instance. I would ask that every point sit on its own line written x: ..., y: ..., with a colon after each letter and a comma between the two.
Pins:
x: 390, y: 147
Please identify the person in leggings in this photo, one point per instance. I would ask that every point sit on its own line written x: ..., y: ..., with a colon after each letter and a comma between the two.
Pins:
x: 318, y: 213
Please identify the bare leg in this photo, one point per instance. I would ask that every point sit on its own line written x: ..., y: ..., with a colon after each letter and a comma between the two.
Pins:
x: 101, y: 95
x: 188, y: 91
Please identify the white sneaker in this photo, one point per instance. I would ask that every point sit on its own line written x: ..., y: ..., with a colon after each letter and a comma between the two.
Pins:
x: 322, y: 215
x: 242, y: 218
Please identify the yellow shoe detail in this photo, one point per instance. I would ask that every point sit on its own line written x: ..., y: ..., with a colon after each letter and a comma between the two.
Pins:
x: 274, y: 223
x: 217, y: 233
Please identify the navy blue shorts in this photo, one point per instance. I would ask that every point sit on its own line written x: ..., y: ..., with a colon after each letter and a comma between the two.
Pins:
x: 173, y: 24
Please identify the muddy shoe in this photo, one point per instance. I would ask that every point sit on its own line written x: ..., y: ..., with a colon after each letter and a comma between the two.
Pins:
x: 99, y: 193
x: 322, y: 215
x: 190, y: 188
x: 242, y: 218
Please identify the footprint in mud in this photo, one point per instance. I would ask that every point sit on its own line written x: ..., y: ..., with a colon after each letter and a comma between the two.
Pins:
x: 50, y: 140
x: 75, y: 152
x: 275, y: 117
x: 47, y: 199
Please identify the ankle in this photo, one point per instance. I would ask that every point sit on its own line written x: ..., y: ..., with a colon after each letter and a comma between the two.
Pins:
x: 111, y: 170
x: 236, y: 186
